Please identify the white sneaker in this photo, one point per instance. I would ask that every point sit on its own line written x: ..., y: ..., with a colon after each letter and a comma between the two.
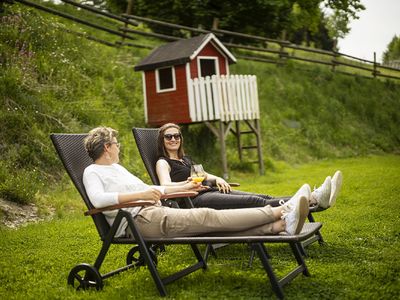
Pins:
x: 336, y: 186
x: 321, y: 195
x: 304, y: 190
x: 295, y: 214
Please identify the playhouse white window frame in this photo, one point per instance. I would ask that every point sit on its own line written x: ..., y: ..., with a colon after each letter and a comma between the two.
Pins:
x: 158, y: 79
x: 216, y: 63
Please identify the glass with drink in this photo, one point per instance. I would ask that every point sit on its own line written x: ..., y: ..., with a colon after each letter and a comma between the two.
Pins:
x: 197, y: 173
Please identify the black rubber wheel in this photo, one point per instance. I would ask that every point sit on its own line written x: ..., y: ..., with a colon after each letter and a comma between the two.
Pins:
x: 134, y: 257
x: 85, y: 276
x: 157, y: 248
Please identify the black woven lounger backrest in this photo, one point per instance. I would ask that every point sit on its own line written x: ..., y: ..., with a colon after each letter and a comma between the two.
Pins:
x: 146, y: 141
x: 71, y: 150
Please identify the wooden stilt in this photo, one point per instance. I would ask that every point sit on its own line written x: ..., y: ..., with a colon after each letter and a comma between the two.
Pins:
x: 222, y: 130
x: 239, y: 140
x: 259, y: 147
x: 221, y: 133
x: 223, y: 149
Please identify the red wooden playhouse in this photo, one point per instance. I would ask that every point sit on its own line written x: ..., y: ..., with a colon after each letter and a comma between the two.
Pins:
x: 188, y: 82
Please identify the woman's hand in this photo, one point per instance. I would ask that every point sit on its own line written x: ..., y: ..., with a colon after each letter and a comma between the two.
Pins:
x: 194, y: 186
x: 151, y: 195
x: 223, y: 186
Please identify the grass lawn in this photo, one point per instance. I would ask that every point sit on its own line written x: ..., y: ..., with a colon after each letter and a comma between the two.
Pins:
x: 360, y: 259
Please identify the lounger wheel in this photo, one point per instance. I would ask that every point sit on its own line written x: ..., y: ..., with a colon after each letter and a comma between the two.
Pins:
x: 85, y: 276
x: 134, y: 257
x: 157, y: 248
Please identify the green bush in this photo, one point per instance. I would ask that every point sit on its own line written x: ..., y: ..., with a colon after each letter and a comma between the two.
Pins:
x: 20, y: 187
x: 53, y: 81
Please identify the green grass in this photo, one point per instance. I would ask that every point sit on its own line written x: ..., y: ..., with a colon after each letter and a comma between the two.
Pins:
x: 53, y: 81
x: 358, y: 261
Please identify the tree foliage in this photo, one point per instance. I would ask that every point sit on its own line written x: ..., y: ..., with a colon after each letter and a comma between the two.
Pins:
x: 393, y: 50
x: 296, y: 20
x: 343, y: 11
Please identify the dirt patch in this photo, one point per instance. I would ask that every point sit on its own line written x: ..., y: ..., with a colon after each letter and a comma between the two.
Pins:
x: 14, y: 215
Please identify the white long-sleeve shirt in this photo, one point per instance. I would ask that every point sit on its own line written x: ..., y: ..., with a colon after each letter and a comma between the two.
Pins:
x: 103, y: 183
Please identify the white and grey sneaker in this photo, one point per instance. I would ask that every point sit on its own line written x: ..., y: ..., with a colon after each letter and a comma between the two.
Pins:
x: 336, y: 185
x: 321, y: 195
x: 304, y: 190
x: 294, y: 214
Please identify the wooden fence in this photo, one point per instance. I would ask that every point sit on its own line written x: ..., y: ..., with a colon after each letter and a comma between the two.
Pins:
x: 258, y: 48
x: 225, y: 98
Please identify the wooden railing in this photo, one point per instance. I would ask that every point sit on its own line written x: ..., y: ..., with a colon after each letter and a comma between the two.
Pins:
x: 260, y: 48
x: 225, y: 98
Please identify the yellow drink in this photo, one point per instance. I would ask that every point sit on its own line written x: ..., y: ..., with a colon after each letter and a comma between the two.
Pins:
x: 198, y: 179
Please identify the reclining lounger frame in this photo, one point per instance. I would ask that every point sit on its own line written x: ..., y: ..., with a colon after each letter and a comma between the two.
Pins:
x: 146, y: 142
x: 75, y: 159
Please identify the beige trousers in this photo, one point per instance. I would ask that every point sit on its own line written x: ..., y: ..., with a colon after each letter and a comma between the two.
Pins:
x: 162, y: 221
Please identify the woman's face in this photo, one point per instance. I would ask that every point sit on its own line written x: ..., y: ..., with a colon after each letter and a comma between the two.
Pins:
x: 172, y: 139
x: 113, y: 150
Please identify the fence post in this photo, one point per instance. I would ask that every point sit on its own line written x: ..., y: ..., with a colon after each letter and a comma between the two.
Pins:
x: 334, y: 62
x: 375, y: 65
x: 215, y: 24
x: 282, y: 56
x: 128, y: 11
x: 282, y: 48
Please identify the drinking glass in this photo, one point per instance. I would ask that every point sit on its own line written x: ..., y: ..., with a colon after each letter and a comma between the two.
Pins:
x: 197, y: 173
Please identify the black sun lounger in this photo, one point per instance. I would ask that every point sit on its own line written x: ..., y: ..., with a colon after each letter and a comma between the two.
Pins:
x: 146, y: 142
x: 75, y: 159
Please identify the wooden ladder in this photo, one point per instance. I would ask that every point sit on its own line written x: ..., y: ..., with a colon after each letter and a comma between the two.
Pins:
x: 221, y: 129
x: 253, y: 127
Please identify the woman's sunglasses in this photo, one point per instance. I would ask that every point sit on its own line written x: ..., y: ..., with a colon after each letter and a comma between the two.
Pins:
x: 176, y: 136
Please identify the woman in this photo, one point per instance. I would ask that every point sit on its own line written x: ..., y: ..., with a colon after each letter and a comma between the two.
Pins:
x: 173, y: 169
x: 108, y: 183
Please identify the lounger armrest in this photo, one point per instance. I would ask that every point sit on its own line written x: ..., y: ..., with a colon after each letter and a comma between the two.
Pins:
x: 213, y: 183
x: 179, y: 195
x: 94, y: 211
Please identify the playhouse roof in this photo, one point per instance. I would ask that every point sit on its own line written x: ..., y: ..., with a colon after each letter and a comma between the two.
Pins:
x: 180, y: 52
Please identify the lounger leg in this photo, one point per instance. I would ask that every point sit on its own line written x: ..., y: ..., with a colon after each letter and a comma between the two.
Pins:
x: 102, y: 254
x: 318, y: 233
x: 299, y: 257
x: 199, y: 257
x: 153, y: 270
x: 317, y: 237
x: 262, y: 253
x: 251, y: 258
x: 107, y: 241
x: 253, y: 254
x: 209, y: 250
x: 302, y: 249
x: 146, y: 254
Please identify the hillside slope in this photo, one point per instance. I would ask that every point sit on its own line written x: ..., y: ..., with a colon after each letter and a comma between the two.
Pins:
x: 54, y: 81
x: 312, y: 113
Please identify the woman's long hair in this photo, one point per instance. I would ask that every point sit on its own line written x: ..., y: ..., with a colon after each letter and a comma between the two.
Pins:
x: 162, y: 152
